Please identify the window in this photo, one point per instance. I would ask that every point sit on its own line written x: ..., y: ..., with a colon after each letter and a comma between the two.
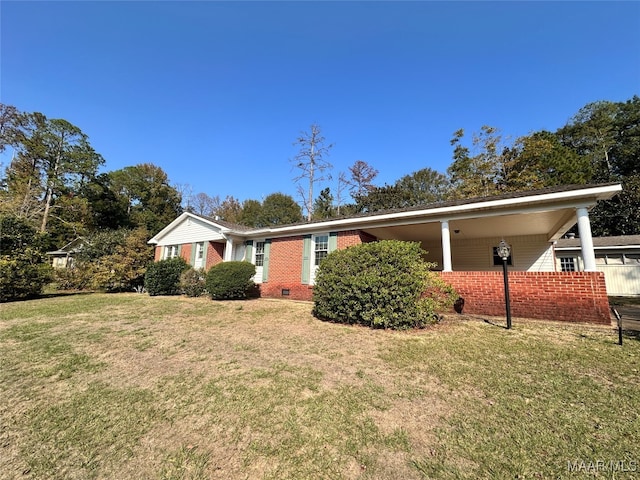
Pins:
x: 567, y: 264
x: 321, y: 248
x: 497, y: 261
x: 632, y: 259
x: 259, y: 254
x: 170, y: 251
x: 615, y: 259
x: 199, y: 251
x: 609, y: 259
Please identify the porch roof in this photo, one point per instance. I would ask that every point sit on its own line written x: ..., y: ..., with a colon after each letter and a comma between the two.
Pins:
x: 550, y: 211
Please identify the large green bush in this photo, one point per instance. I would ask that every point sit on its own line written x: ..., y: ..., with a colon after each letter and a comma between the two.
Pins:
x: 230, y: 280
x: 163, y: 277
x: 384, y: 284
x: 24, y: 270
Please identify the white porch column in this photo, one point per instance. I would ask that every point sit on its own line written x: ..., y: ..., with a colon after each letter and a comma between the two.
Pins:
x: 228, y: 251
x: 446, y: 247
x: 586, y: 240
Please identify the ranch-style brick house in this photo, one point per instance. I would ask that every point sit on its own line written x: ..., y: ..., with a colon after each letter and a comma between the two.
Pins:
x: 459, y: 236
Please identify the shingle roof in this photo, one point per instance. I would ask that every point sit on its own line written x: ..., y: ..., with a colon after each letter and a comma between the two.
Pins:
x: 618, y: 241
x: 426, y: 206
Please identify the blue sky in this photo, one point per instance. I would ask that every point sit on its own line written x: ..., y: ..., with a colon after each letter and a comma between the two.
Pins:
x: 216, y: 93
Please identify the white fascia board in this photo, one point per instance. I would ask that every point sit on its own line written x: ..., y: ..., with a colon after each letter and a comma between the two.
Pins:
x: 156, y: 238
x: 612, y: 247
x: 508, y: 206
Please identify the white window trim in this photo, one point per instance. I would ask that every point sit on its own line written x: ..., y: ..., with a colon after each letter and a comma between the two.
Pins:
x: 312, y: 255
x: 170, y: 251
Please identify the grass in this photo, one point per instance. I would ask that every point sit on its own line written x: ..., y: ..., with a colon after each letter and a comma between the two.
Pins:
x: 131, y: 386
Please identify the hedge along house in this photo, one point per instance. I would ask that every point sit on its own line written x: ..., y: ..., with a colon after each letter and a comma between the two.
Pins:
x: 459, y: 236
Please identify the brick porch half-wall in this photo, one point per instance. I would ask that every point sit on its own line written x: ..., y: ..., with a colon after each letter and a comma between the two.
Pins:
x: 564, y: 296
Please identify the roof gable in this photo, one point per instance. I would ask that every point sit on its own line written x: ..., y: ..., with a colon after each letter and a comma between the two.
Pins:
x: 189, y: 228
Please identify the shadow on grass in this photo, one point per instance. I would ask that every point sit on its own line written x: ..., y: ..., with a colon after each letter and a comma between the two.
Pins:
x: 63, y: 294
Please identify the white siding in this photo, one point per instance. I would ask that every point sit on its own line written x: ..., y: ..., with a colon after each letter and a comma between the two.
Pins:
x: 238, y: 252
x: 621, y: 280
x: 530, y: 253
x: 189, y: 231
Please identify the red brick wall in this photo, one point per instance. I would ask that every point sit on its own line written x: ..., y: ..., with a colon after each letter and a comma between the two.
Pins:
x: 215, y: 254
x: 349, y: 238
x: 285, y: 261
x: 185, y: 252
x: 297, y: 291
x: 285, y: 265
x: 565, y: 296
x: 157, y: 254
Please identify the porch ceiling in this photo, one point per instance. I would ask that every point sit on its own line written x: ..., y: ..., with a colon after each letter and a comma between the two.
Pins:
x: 552, y: 223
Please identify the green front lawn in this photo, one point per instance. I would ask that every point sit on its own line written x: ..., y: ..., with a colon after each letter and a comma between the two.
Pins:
x: 132, y: 386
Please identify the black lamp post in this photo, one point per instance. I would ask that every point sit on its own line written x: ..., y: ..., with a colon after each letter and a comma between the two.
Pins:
x: 504, y: 250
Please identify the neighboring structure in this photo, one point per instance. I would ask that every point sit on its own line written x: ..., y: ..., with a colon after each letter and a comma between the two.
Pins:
x: 63, y: 258
x: 460, y: 236
x: 617, y: 257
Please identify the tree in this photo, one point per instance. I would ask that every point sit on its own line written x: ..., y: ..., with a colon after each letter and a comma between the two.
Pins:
x: 124, y: 267
x: 230, y: 210
x: 343, y: 183
x: 311, y: 163
x: 150, y: 201
x: 106, y: 210
x: 607, y: 136
x: 474, y: 173
x: 251, y: 213
x: 279, y: 209
x: 11, y: 122
x: 423, y: 187
x: 619, y: 216
x: 540, y: 160
x: 323, y: 206
x: 592, y: 133
x: 419, y: 188
x: 203, y: 204
x: 110, y: 260
x: 53, y: 158
x: 23, y: 269
x: 362, y: 174
x: 625, y: 154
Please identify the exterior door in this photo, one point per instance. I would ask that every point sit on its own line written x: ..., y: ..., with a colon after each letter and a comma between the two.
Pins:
x: 258, y: 261
x: 198, y: 261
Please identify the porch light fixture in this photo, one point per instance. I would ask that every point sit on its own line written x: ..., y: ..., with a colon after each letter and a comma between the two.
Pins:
x: 504, y: 250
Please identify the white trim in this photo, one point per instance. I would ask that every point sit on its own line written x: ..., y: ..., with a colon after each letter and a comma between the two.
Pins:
x: 228, y: 251
x: 586, y: 240
x: 312, y: 255
x: 446, y: 247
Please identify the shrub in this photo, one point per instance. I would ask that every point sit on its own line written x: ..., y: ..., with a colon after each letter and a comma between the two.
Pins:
x: 192, y: 282
x: 77, y: 277
x: 163, y: 277
x: 112, y: 261
x: 230, y: 280
x: 23, y: 268
x: 384, y: 284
